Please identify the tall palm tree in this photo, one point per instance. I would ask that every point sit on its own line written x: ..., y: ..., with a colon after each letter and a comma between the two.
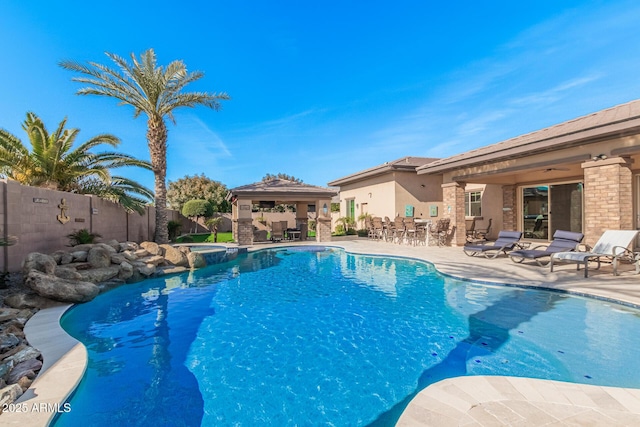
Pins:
x: 53, y: 163
x: 154, y: 90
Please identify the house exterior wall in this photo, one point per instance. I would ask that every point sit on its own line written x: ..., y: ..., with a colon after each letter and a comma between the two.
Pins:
x: 378, y: 193
x: 421, y: 192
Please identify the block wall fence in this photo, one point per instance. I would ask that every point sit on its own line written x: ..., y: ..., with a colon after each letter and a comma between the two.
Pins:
x: 32, y: 215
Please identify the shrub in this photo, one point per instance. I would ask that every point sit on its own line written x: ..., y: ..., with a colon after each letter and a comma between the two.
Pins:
x: 174, y: 229
x: 351, y: 232
x: 81, y: 237
x: 339, y: 230
x: 361, y: 233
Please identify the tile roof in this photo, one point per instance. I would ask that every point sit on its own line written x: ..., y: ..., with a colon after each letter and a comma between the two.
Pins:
x: 619, y: 120
x: 407, y: 163
x: 282, y: 188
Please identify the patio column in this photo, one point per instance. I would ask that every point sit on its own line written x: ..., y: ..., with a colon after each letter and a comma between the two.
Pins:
x: 323, y: 220
x: 608, y: 197
x: 243, y: 223
x: 301, y: 219
x: 453, y: 204
x: 509, y: 208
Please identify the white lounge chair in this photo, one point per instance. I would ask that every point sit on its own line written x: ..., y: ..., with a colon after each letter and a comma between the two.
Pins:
x: 612, y: 244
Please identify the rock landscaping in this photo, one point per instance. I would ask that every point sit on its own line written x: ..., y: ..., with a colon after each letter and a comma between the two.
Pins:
x: 74, y: 276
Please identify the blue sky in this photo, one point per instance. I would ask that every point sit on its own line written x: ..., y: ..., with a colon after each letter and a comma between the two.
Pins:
x: 321, y: 90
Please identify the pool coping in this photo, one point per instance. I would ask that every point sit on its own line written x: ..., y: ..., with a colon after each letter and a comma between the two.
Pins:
x: 486, y: 401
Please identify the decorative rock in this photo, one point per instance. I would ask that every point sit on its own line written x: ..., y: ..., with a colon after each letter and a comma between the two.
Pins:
x: 174, y: 256
x: 8, y: 314
x: 5, y: 368
x: 117, y: 259
x: 145, y: 269
x: 8, y: 341
x: 61, y: 289
x: 184, y: 249
x: 156, y: 260
x: 142, y: 253
x: 111, y: 284
x: 151, y: 247
x: 196, y: 260
x: 99, y: 257
x: 131, y: 256
x: 97, y: 275
x: 27, y: 369
x: 68, y: 273
x: 26, y: 353
x: 171, y: 270
x: 129, y: 246
x: 9, y: 395
x: 126, y: 271
x: 80, y: 256
x: 39, y: 262
x: 106, y: 247
x: 114, y: 244
x: 25, y: 383
x: 85, y: 247
x: 13, y: 328
x: 62, y: 257
x: 27, y: 300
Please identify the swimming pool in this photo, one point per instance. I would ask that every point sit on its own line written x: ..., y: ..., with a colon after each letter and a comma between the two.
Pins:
x: 319, y: 336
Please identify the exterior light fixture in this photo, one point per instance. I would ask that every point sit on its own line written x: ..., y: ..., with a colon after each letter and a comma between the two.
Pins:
x: 325, y: 209
x: 599, y: 157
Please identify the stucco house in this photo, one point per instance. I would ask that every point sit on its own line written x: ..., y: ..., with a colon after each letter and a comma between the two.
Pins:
x: 579, y: 175
x: 391, y: 189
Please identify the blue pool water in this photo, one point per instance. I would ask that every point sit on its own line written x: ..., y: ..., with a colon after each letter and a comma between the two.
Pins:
x: 314, y: 336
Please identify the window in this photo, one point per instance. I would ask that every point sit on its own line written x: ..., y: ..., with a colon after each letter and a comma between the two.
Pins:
x: 473, y: 203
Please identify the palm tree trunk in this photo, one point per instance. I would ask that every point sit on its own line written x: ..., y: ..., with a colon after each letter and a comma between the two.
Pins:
x: 157, y: 140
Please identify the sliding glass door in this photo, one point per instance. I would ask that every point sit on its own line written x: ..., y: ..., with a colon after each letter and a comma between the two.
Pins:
x: 547, y: 208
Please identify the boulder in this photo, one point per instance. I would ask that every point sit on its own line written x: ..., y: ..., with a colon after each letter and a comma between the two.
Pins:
x: 28, y: 368
x: 9, y: 394
x: 97, y: 275
x: 111, y: 284
x: 141, y: 271
x: 131, y: 256
x: 155, y: 260
x: 184, y: 249
x: 27, y: 353
x: 126, y: 271
x: 8, y: 314
x: 85, y: 247
x: 68, y: 273
x: 106, y: 247
x: 14, y: 328
x: 5, y: 368
x: 174, y: 256
x: 27, y: 300
x: 25, y: 383
x: 8, y: 341
x: 151, y: 247
x: 60, y: 289
x: 196, y: 260
x: 142, y: 253
x: 39, y: 262
x: 62, y: 257
x: 79, y: 256
x: 128, y: 246
x: 117, y: 258
x: 114, y: 244
x: 99, y: 257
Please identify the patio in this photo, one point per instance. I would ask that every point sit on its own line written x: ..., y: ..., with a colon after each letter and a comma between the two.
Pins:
x: 480, y: 401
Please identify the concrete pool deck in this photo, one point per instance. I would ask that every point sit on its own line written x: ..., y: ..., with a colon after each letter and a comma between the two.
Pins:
x: 472, y: 401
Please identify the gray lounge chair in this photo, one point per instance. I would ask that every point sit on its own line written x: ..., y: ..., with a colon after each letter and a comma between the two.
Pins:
x: 612, y: 244
x: 563, y: 241
x: 507, y: 240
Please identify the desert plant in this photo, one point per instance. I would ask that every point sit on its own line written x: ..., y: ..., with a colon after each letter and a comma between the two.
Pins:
x: 212, y: 224
x: 174, y: 229
x: 347, y: 223
x: 81, y: 237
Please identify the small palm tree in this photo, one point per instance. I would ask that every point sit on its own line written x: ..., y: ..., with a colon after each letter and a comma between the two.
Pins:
x: 154, y: 90
x: 54, y: 163
x: 212, y: 224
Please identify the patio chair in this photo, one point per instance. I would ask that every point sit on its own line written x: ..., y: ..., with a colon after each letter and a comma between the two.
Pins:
x: 409, y: 230
x: 438, y: 231
x: 562, y: 241
x: 613, y: 244
x: 481, y: 233
x: 277, y: 231
x: 398, y: 225
x: 389, y: 229
x: 507, y: 240
x: 378, y: 228
x: 470, y: 226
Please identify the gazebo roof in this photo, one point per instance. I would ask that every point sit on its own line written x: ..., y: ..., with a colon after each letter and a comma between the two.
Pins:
x: 282, y: 190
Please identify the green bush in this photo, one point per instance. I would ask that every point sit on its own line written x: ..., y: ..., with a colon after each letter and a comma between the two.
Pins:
x: 81, y: 237
x: 361, y: 233
x: 339, y: 230
x: 174, y: 229
x: 351, y: 232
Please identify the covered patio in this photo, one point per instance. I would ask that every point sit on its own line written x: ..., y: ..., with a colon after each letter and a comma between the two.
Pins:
x: 306, y: 198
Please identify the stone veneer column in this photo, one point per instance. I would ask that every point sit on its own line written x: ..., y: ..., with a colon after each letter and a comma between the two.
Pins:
x: 301, y: 219
x: 243, y: 223
x: 453, y: 205
x: 323, y: 220
x: 608, y: 197
x: 510, y: 208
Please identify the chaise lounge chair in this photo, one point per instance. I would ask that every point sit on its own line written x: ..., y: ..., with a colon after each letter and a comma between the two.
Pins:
x: 507, y: 240
x: 612, y: 244
x: 562, y: 241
